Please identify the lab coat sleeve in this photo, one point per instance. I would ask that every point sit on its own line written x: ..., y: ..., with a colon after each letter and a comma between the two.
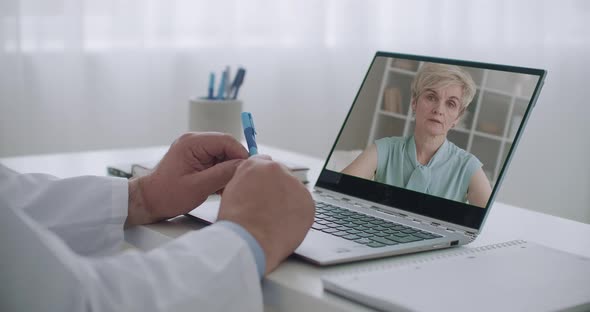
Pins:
x: 87, y: 212
x: 207, y: 270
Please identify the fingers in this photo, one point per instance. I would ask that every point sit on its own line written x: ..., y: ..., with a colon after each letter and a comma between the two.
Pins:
x: 215, y: 178
x: 259, y: 156
x: 262, y: 156
x: 209, y: 145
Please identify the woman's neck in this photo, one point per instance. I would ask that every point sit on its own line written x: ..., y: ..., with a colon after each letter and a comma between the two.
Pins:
x: 426, y: 146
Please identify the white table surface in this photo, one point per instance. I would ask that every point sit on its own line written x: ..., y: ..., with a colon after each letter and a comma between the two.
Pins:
x: 296, y: 285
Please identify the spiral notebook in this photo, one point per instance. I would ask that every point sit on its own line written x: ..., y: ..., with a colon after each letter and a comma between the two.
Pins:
x: 511, y: 276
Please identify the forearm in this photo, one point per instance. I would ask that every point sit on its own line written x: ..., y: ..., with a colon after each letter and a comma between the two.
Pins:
x: 479, y: 190
x: 86, y: 212
x: 186, y: 273
x: 358, y: 170
x: 364, y: 165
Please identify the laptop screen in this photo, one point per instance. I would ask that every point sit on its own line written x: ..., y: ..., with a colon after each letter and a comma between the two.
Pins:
x: 432, y: 136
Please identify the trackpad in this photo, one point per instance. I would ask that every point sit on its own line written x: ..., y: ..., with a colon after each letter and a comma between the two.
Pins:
x: 208, y: 210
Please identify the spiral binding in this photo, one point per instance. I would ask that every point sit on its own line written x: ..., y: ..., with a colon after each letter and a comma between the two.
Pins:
x: 421, y: 260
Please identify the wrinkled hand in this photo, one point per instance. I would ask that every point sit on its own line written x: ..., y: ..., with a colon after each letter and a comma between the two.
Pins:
x: 271, y: 204
x: 196, y: 166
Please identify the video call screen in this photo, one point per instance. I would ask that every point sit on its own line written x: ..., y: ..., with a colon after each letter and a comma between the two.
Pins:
x: 440, y: 129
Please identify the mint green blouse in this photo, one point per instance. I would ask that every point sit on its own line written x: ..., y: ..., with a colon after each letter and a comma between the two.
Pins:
x: 446, y: 175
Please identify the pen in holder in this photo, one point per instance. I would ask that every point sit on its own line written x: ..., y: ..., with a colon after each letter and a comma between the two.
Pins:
x: 216, y: 115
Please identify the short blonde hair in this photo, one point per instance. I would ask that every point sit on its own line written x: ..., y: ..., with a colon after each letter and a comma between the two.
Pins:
x: 434, y: 76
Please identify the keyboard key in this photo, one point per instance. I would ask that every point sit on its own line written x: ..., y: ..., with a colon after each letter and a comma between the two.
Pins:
x: 375, y: 245
x: 363, y: 241
x: 424, y: 235
x: 353, y: 231
x: 359, y: 222
x: 365, y: 235
x: 384, y: 241
x: 351, y: 237
x: 329, y: 230
x: 381, y: 234
x: 409, y: 231
x: 340, y: 233
x: 390, y: 231
x: 361, y: 227
x: 318, y: 226
x: 376, y: 221
x: 331, y: 224
x: 351, y: 225
x: 407, y: 239
x: 322, y: 222
x: 343, y: 228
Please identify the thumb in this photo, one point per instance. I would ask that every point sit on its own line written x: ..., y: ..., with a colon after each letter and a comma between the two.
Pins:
x: 216, y: 177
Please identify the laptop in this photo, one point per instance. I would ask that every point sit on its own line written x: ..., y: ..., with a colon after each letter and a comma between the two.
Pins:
x: 413, y: 168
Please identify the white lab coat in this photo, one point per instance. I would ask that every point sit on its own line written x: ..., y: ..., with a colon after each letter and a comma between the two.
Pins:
x: 60, y: 242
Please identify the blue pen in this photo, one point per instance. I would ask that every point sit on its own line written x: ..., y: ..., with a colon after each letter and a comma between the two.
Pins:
x: 235, y: 87
x: 228, y: 81
x: 210, y: 94
x: 221, y: 90
x: 249, y: 133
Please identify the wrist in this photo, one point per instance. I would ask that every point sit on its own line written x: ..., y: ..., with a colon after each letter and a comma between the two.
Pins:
x: 137, y: 210
x: 253, y: 243
x: 259, y: 236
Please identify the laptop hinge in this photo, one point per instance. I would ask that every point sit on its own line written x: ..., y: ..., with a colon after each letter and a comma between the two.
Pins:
x: 470, y: 235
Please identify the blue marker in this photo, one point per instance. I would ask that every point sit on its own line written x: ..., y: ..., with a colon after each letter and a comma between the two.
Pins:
x: 235, y: 86
x: 210, y: 95
x: 249, y: 133
x: 221, y: 90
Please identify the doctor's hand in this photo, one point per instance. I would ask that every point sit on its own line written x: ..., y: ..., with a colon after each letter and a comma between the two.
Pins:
x: 196, y: 166
x: 271, y: 204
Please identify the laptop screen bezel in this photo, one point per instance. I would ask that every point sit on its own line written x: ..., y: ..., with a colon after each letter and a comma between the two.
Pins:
x: 439, y: 208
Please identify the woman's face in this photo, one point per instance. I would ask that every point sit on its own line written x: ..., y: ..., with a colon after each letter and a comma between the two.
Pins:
x: 437, y: 110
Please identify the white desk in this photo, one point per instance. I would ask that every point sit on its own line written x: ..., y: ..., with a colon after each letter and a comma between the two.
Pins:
x: 296, y: 285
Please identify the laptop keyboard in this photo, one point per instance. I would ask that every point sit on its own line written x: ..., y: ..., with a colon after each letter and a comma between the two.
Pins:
x: 364, y: 229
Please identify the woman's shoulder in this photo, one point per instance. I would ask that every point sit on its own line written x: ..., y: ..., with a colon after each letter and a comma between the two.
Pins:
x: 461, y: 154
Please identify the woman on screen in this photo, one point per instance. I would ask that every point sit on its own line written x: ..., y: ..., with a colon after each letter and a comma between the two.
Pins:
x: 426, y: 161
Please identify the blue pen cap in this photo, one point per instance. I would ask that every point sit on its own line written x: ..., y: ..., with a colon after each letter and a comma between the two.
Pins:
x: 249, y: 132
x: 247, y: 120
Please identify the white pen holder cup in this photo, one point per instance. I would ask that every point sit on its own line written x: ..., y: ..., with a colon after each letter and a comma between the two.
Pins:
x: 216, y: 115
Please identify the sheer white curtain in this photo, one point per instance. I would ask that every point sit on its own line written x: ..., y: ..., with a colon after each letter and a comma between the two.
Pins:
x: 78, y: 75
x: 94, y: 74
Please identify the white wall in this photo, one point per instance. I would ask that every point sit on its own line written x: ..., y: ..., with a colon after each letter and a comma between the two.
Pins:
x: 102, y: 74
